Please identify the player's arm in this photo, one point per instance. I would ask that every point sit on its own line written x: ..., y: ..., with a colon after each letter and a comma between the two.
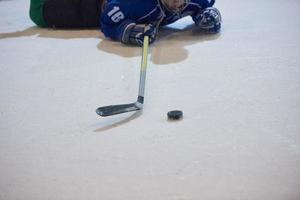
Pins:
x: 116, y: 25
x: 113, y: 21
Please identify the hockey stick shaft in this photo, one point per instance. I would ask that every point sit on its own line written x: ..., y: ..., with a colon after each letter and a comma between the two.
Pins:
x: 143, y: 70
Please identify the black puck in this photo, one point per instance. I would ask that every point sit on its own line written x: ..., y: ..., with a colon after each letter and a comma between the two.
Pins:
x: 175, y: 115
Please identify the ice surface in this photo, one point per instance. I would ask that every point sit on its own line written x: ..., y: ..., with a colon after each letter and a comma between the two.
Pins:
x: 239, y: 91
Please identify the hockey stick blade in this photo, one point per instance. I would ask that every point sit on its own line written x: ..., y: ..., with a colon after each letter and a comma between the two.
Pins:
x: 118, y: 109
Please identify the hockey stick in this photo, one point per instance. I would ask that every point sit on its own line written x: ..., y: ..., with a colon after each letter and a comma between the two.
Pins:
x: 138, y: 105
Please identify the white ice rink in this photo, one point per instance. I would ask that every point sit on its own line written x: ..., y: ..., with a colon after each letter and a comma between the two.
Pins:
x: 239, y: 91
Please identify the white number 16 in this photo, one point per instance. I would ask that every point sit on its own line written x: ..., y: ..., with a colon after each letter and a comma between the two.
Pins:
x: 115, y: 14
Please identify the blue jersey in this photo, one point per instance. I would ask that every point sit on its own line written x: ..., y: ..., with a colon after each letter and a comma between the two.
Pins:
x: 118, y: 15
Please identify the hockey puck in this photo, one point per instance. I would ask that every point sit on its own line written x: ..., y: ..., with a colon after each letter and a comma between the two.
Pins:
x: 175, y: 115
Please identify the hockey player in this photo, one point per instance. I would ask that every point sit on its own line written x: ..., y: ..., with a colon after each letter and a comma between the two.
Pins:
x: 127, y: 21
x: 130, y: 20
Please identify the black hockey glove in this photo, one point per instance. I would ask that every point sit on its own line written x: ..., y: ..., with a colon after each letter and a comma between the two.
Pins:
x: 134, y: 34
x: 209, y: 20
